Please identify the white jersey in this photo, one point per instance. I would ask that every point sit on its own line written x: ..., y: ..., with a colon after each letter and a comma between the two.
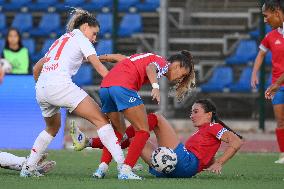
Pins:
x: 65, y: 57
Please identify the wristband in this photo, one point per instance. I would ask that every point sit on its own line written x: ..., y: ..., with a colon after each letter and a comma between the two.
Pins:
x: 155, y: 86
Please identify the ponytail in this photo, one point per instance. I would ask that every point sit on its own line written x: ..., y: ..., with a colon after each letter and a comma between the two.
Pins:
x: 216, y: 119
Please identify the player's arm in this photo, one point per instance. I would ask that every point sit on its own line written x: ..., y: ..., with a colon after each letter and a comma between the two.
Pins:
x: 112, y: 58
x: 37, y: 68
x: 234, y: 144
x: 257, y: 64
x: 96, y: 63
x: 151, y: 71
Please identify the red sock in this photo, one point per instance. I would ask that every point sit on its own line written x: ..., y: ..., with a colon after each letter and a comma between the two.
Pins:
x: 106, y: 155
x: 152, y: 121
x: 125, y: 144
x: 96, y: 143
x: 136, y: 146
x: 280, y: 138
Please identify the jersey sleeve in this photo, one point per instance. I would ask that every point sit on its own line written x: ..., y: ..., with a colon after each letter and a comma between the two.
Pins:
x: 161, y: 64
x: 86, y: 46
x: 264, y: 45
x: 217, y: 130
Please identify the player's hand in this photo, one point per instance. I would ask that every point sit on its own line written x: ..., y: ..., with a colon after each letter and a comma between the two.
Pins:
x: 254, y: 80
x: 271, y: 90
x: 215, y: 168
x: 156, y: 95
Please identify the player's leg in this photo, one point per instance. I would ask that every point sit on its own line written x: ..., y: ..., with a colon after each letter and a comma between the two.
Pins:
x: 10, y: 161
x: 118, y: 122
x: 41, y: 143
x: 166, y: 135
x: 90, y: 110
x: 279, y: 131
x: 278, y: 107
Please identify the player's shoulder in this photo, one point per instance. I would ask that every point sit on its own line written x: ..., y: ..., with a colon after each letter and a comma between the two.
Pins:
x: 272, y: 33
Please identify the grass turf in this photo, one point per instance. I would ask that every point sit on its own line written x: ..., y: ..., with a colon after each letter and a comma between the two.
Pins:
x: 74, y: 169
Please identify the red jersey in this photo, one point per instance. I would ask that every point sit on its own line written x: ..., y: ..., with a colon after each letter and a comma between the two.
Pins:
x: 205, y: 142
x: 274, y: 41
x: 131, y: 72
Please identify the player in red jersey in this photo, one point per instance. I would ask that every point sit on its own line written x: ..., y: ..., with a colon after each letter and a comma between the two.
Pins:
x: 273, y: 88
x: 198, y: 152
x: 119, y: 89
x: 274, y: 41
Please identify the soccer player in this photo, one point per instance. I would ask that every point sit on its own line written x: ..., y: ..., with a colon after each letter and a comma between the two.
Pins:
x: 198, y: 152
x: 274, y: 41
x: 119, y: 93
x: 55, y: 89
x: 13, y: 162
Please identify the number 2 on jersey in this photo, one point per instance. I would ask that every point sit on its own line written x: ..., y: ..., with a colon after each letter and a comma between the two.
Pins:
x: 56, y: 55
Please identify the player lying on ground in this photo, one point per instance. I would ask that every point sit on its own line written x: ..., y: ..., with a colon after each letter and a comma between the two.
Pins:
x: 13, y: 162
x: 196, y: 155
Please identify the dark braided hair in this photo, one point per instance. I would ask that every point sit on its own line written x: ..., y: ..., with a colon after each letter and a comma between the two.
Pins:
x: 209, y: 106
x: 273, y: 5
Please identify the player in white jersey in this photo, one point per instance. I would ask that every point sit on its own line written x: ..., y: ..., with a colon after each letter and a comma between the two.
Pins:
x: 55, y: 89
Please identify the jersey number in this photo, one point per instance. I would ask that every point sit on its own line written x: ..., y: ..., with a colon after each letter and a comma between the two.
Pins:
x: 61, y: 44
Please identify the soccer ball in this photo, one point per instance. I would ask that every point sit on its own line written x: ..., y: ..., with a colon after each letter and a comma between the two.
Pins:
x: 6, y: 66
x: 164, y: 160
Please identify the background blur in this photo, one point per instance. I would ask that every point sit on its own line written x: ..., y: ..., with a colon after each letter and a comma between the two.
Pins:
x: 222, y: 35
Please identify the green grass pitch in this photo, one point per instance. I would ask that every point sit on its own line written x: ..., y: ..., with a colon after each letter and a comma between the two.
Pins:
x: 74, y: 171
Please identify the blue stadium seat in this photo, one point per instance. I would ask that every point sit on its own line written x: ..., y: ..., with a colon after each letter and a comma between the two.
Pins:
x: 106, y: 24
x: 15, y: 5
x: 268, y: 58
x: 2, y: 44
x: 23, y: 22
x: 42, y: 5
x: 3, y: 25
x: 49, y: 23
x: 69, y: 3
x: 130, y: 24
x: 47, y: 43
x: 243, y: 84
x: 104, y: 46
x: 246, y: 52
x: 221, y: 78
x: 255, y: 34
x: 30, y: 45
x: 148, y: 6
x: 84, y: 76
x: 125, y: 5
x: 98, y: 5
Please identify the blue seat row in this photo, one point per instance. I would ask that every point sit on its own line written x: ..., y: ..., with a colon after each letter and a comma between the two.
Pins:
x: 222, y: 80
x: 131, y: 23
x: 91, y: 5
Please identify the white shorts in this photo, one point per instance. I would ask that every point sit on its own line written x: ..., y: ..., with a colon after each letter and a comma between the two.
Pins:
x: 52, y: 97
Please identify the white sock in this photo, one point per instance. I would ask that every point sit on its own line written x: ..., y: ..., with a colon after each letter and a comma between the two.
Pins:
x: 110, y: 141
x: 103, y: 166
x: 40, y: 145
x: 11, y: 161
